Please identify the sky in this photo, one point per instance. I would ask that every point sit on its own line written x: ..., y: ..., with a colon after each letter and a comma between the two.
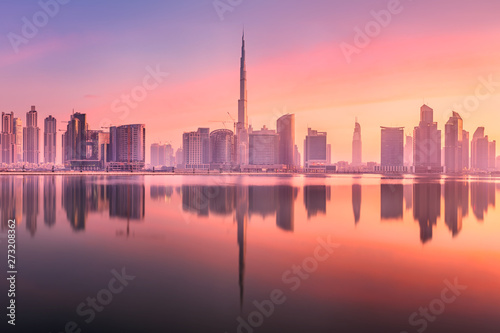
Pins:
x: 303, y: 57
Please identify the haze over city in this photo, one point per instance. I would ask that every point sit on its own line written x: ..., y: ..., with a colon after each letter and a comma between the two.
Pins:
x: 89, y: 54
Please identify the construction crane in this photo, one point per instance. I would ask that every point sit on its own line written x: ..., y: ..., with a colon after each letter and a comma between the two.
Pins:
x: 219, y: 121
x: 234, y: 121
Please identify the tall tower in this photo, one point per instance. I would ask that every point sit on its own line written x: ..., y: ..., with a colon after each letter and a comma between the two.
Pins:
x: 31, y: 137
x: 241, y: 144
x: 285, y: 126
x: 427, y: 143
x: 356, y: 145
x: 49, y: 140
x: 242, y: 102
x: 8, y: 155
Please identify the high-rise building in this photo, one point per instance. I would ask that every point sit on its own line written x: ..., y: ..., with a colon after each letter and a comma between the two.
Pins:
x: 357, y: 145
x: 162, y: 155
x: 315, y: 148
x: 49, y: 140
x: 97, y: 148
x: 328, y: 153
x: 482, y: 151
x: 264, y: 147
x: 128, y: 142
x: 196, y: 149
x: 8, y: 139
x: 18, y: 137
x: 409, y: 151
x: 169, y: 155
x: 75, y: 139
x: 296, y: 155
x: 455, y: 149
x: 31, y: 137
x: 465, y: 150
x: 155, y: 149
x: 179, y: 158
x: 241, y: 141
x: 221, y: 147
x: 392, y: 149
x: 286, y: 131
x: 427, y: 143
x: 492, y: 152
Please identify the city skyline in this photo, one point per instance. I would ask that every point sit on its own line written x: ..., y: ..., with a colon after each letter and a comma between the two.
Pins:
x: 200, y: 84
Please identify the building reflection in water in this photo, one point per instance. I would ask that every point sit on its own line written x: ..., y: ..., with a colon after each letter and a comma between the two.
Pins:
x: 391, y: 201
x: 262, y: 200
x: 408, y: 194
x: 356, y: 202
x: 81, y: 195
x: 49, y: 200
x: 241, y: 217
x: 161, y: 192
x: 482, y: 196
x: 30, y: 202
x: 11, y: 200
x: 315, y: 198
x: 126, y: 201
x: 285, y: 216
x: 426, y: 207
x: 456, y: 204
x: 195, y: 199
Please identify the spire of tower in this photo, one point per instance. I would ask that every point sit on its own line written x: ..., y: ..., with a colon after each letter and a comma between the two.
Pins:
x: 242, y: 103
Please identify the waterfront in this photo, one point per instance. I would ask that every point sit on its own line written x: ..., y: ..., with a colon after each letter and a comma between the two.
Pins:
x: 203, y: 249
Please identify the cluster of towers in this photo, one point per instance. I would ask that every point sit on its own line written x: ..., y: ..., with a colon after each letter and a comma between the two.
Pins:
x: 423, y: 152
x: 21, y: 144
x: 244, y: 148
x: 122, y: 148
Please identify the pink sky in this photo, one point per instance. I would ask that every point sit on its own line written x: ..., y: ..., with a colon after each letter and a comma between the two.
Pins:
x: 294, y: 63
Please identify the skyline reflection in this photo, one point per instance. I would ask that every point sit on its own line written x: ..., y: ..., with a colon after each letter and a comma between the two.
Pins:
x: 82, y: 195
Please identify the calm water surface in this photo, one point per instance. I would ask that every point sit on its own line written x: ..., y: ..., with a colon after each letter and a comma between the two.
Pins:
x: 208, y: 252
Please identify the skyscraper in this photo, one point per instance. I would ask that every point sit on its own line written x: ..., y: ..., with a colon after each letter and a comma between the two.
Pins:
x: 427, y: 143
x: 296, y: 157
x: 356, y: 145
x: 31, y: 137
x: 454, y: 147
x: 74, y: 139
x: 241, y: 145
x: 8, y: 142
x: 129, y: 143
x: 286, y: 131
x: 492, y: 151
x: 169, y: 155
x: 49, y: 140
x: 263, y: 147
x: 155, y: 148
x: 481, y: 149
x: 409, y: 151
x: 196, y: 149
x: 392, y: 149
x: 18, y: 134
x: 315, y: 148
x: 221, y: 147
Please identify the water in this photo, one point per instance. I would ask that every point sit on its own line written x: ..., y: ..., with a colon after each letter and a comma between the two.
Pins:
x: 204, y: 250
